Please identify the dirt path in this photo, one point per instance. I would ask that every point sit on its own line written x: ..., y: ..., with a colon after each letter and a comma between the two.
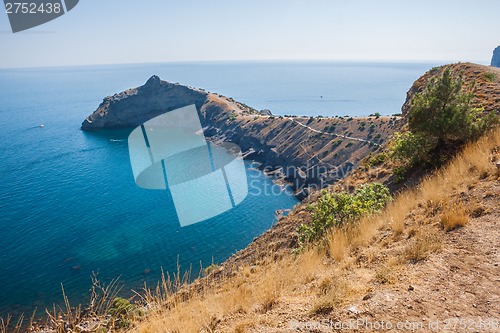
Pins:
x: 333, y: 134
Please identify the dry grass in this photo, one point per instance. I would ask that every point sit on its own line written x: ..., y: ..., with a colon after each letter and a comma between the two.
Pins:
x: 455, y: 216
x: 322, y: 306
x: 253, y: 297
x: 8, y: 325
x: 384, y: 274
x: 243, y: 326
x: 421, y: 246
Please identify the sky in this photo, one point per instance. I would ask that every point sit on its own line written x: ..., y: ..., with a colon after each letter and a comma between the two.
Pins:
x: 153, y: 31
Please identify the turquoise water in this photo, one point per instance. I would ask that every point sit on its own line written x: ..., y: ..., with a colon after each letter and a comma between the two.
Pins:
x: 68, y: 202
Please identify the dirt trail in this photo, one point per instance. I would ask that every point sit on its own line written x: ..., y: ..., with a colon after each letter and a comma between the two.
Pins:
x: 333, y: 134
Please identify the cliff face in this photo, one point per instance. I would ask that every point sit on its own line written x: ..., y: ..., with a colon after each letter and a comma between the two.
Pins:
x: 495, y: 60
x: 133, y: 107
x: 309, y: 152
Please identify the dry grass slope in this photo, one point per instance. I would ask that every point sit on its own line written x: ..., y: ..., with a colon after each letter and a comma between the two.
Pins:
x: 365, y: 270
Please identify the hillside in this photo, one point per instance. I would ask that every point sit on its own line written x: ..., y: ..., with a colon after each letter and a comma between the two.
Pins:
x: 429, y: 260
x: 432, y: 255
x: 408, y: 264
x: 484, y: 79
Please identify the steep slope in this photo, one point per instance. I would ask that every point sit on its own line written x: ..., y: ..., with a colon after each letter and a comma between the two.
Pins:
x: 409, y: 268
x: 430, y: 259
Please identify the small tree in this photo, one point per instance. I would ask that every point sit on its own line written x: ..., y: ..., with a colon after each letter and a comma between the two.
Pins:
x: 444, y: 111
x: 441, y: 119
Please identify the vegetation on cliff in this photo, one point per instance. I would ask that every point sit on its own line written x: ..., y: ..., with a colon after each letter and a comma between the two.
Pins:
x: 339, y: 209
x: 441, y: 119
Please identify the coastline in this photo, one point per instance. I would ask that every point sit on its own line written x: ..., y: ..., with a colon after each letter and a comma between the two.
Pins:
x: 308, y: 152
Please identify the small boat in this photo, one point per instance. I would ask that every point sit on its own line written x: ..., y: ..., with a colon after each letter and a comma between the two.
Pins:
x: 41, y: 126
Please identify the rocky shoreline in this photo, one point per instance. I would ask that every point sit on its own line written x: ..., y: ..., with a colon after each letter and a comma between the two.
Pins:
x: 306, y: 152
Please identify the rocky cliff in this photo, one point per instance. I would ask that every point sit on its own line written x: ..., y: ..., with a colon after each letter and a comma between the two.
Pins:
x: 133, y: 107
x: 308, y: 152
x: 495, y: 60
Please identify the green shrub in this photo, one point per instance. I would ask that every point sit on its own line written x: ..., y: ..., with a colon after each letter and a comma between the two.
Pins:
x: 232, y: 117
x: 122, y: 311
x: 334, y: 209
x: 410, y: 148
x: 376, y: 160
x: 434, y: 69
x: 441, y: 119
x: 490, y: 76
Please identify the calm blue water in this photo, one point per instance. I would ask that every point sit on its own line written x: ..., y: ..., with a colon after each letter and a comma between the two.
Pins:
x: 68, y: 202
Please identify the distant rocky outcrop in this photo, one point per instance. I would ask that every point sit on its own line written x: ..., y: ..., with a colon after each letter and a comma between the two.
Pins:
x: 133, y: 107
x: 308, y: 152
x: 495, y: 60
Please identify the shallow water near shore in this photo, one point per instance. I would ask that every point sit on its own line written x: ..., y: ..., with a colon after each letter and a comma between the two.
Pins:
x: 69, y: 205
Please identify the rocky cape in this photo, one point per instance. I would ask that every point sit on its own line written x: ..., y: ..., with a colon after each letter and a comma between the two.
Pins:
x: 304, y: 151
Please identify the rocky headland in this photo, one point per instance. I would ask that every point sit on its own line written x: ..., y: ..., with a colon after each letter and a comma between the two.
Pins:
x: 495, y: 60
x: 308, y: 152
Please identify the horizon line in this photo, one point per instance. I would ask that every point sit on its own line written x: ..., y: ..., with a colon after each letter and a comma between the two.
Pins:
x: 365, y: 61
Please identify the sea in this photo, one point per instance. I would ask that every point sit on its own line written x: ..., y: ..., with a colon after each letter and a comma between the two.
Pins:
x: 69, y: 205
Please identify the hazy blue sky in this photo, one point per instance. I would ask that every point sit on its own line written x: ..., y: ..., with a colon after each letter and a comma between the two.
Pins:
x: 113, y: 31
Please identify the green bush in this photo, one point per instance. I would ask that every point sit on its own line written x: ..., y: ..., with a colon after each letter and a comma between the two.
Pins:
x: 410, y: 148
x: 336, y: 143
x: 441, y: 119
x: 490, y: 76
x: 122, y: 311
x: 376, y: 160
x: 334, y: 209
